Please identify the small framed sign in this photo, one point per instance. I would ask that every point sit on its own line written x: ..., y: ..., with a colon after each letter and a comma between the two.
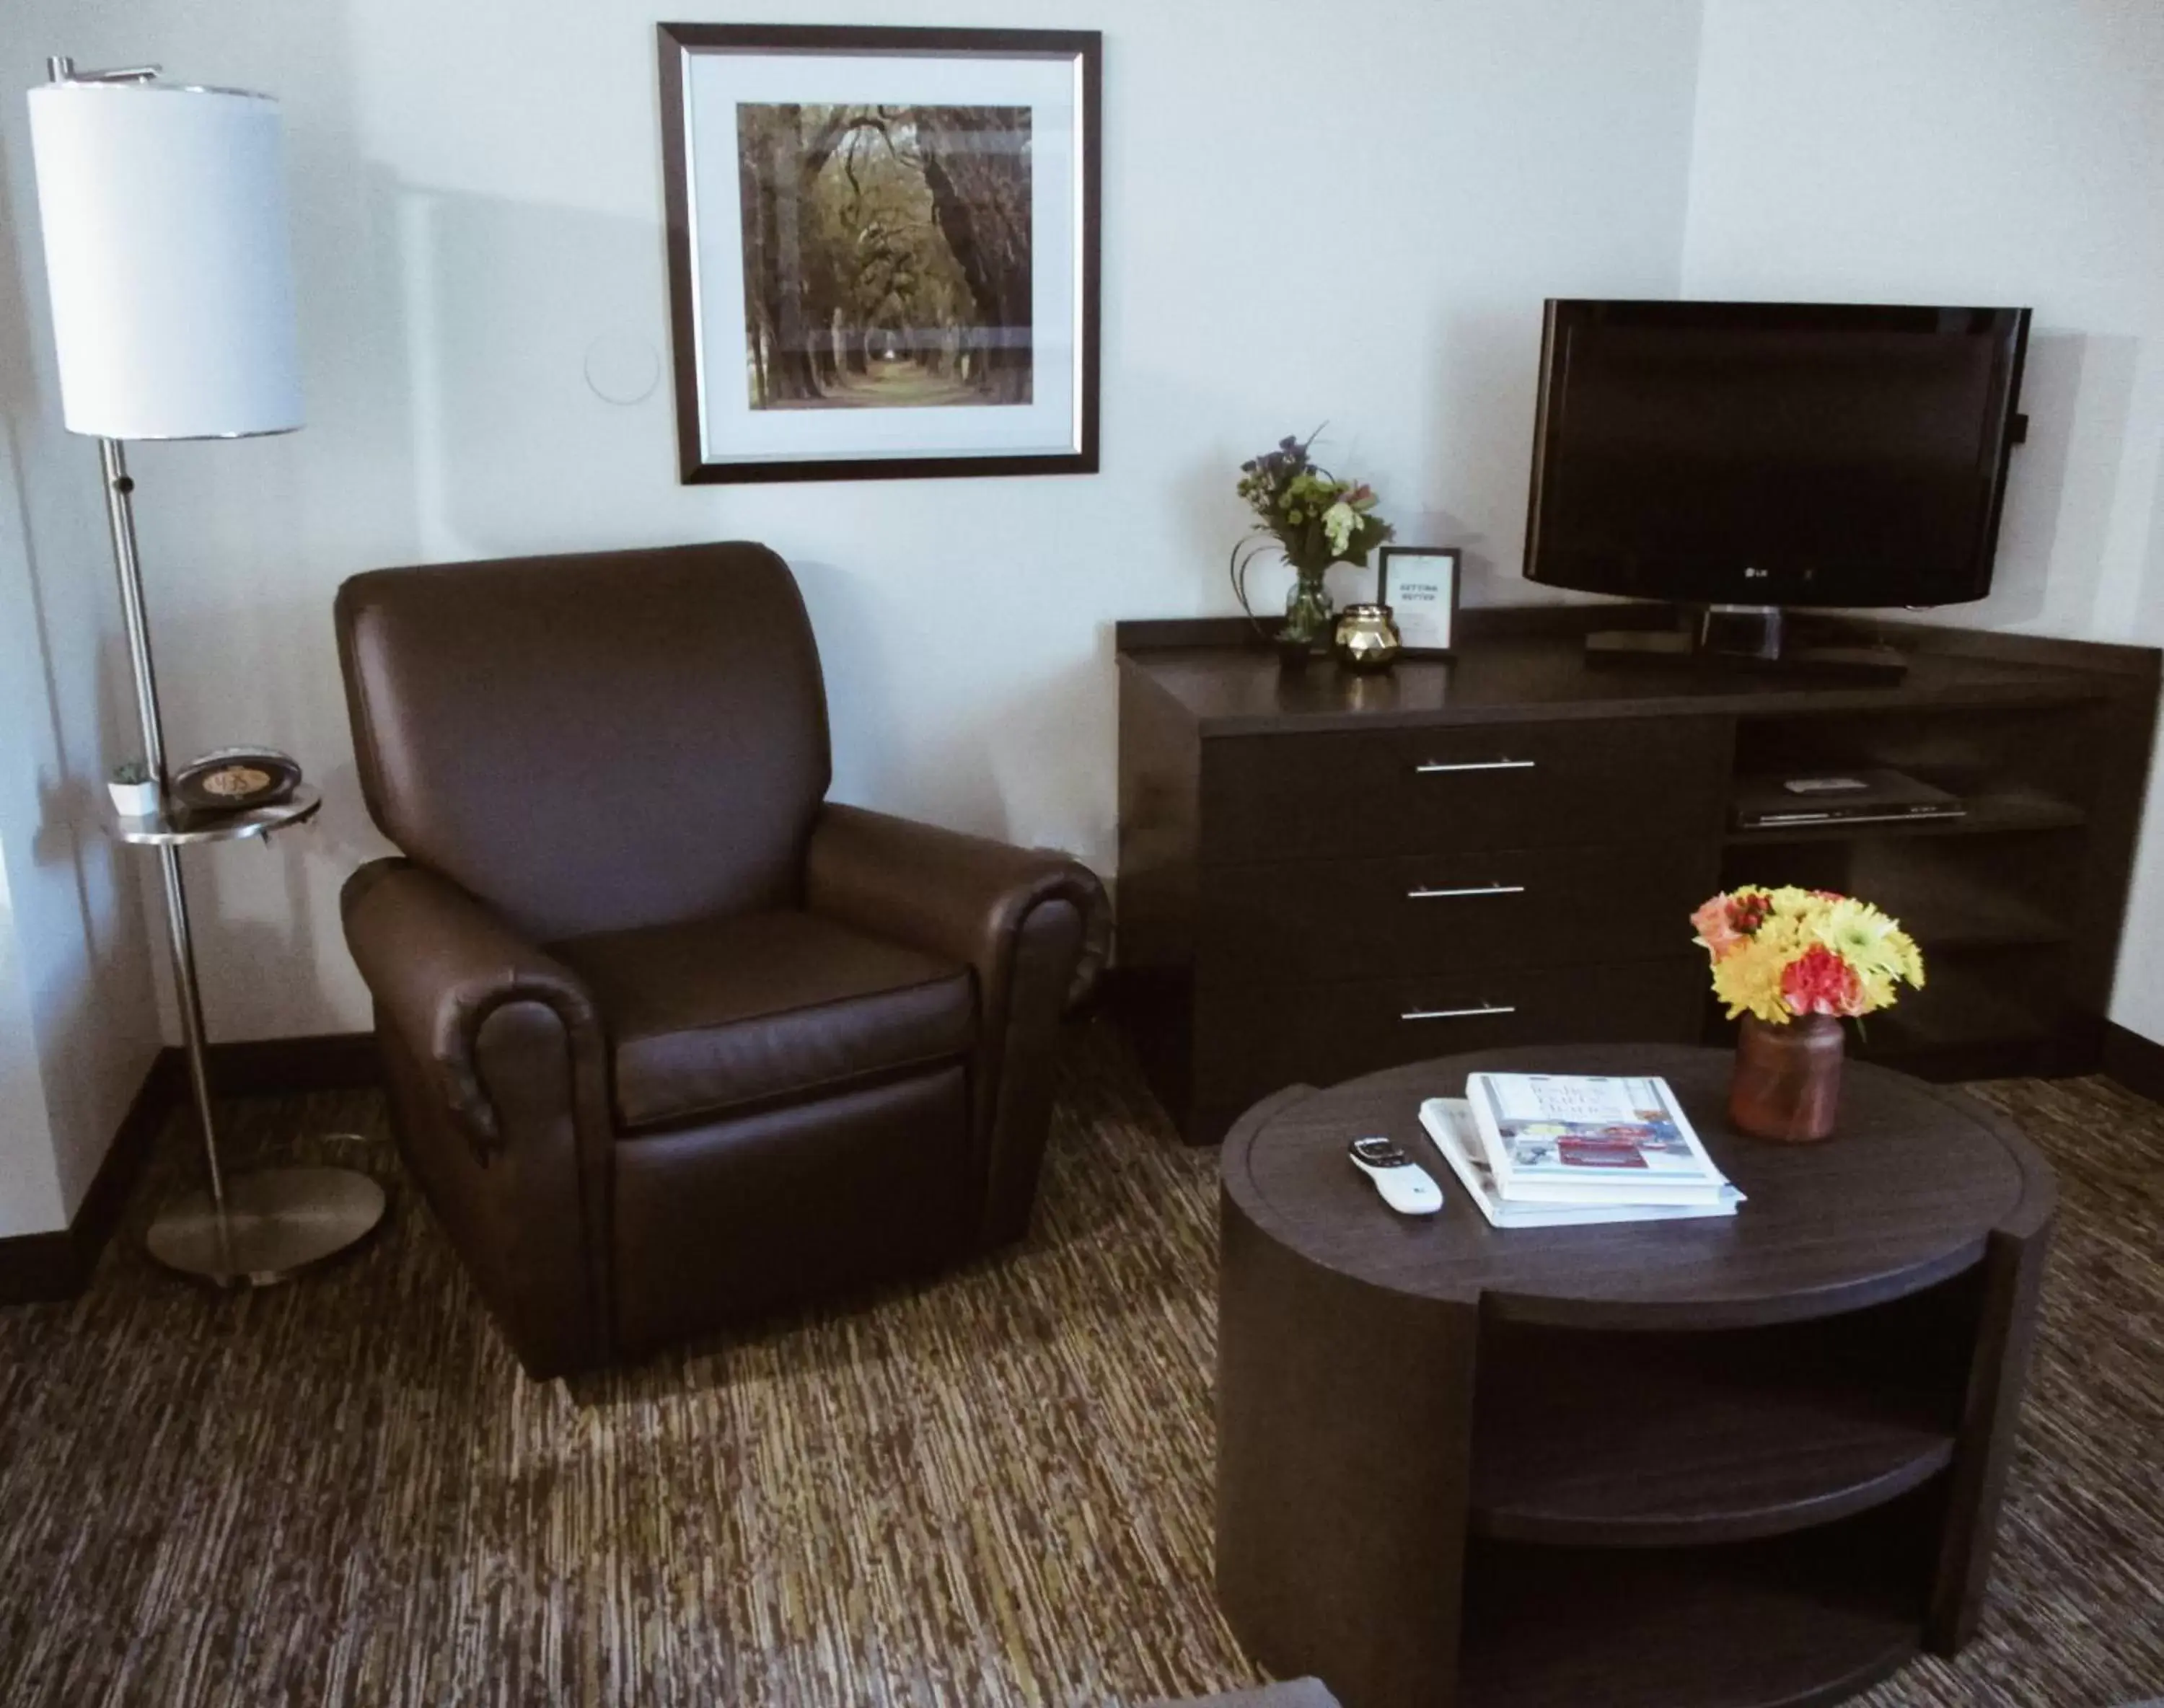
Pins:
x: 1420, y: 584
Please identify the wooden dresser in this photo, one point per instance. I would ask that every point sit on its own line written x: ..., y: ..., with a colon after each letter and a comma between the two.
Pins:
x: 1323, y: 875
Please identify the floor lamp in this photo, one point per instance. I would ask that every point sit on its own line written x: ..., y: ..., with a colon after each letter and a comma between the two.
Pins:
x: 163, y: 210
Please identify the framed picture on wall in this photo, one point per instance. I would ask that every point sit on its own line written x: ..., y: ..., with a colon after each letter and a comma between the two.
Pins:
x: 1420, y: 584
x: 883, y: 250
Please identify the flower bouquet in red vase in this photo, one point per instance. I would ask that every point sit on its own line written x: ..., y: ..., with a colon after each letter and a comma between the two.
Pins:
x: 1794, y: 964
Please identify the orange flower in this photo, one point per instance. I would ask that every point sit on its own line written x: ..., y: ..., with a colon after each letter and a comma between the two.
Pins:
x: 1721, y: 938
x: 1725, y: 924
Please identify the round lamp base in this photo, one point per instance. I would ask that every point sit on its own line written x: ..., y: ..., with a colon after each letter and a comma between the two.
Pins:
x: 276, y: 1222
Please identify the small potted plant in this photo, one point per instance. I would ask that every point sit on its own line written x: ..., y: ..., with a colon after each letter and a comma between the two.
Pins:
x: 1316, y: 519
x: 1794, y: 963
x: 134, y: 789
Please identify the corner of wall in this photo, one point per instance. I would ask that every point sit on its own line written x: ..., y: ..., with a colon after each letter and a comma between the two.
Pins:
x: 80, y: 1013
x: 1701, y: 85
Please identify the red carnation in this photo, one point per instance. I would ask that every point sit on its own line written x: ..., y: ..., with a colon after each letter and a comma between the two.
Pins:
x: 1819, y: 981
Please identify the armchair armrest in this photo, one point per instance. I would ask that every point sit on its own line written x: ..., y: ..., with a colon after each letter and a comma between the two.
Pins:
x: 947, y: 893
x: 498, y: 1076
x: 1033, y: 926
x: 439, y: 964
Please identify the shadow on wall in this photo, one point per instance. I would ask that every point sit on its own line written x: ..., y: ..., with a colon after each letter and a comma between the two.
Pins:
x: 78, y: 926
x: 1004, y: 768
x: 1205, y: 500
x: 1485, y: 369
x: 266, y: 910
x: 1053, y: 754
x: 244, y: 543
x: 2149, y: 612
x: 66, y: 800
x: 2076, y: 391
x: 542, y: 400
x: 853, y: 635
x: 543, y: 411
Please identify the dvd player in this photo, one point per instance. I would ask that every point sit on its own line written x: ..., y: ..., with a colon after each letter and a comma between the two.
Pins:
x: 1875, y: 796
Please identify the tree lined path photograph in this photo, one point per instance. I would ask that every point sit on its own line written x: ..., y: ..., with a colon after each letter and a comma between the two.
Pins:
x: 886, y: 255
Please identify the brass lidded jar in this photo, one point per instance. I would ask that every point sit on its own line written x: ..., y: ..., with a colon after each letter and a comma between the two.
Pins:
x: 1367, y: 639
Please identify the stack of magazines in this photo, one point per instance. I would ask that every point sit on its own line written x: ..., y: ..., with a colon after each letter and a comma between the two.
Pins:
x: 1555, y: 1150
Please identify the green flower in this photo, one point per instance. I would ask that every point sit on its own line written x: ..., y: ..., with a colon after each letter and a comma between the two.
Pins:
x: 1315, y: 516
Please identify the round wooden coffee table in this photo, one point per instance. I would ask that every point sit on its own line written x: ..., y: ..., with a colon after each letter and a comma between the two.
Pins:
x: 1754, y: 1460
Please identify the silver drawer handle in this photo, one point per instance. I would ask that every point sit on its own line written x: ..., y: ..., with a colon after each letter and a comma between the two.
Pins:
x: 1457, y: 1013
x: 1432, y: 765
x: 1427, y: 894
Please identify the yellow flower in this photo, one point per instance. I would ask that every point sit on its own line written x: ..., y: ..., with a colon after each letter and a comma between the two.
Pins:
x: 1804, y: 907
x: 1784, y: 936
x: 1870, y: 941
x: 1749, y: 981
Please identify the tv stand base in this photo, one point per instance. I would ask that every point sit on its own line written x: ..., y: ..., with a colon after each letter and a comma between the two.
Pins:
x: 1747, y: 637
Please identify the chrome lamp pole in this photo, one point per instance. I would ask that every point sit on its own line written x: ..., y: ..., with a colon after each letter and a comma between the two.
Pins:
x: 183, y: 328
x: 120, y: 514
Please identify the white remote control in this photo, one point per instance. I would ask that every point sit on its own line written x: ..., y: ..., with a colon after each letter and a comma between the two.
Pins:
x: 1405, y: 1186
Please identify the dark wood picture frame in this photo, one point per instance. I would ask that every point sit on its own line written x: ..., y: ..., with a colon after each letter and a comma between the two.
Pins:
x: 1384, y: 556
x: 697, y: 464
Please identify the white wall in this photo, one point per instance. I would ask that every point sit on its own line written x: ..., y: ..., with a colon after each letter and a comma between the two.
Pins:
x: 1995, y: 151
x: 77, y: 1025
x: 1348, y: 214
x: 29, y: 1176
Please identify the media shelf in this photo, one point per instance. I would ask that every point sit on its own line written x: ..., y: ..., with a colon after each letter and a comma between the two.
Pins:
x: 2010, y: 902
x: 2006, y: 812
x: 1948, y: 1015
x: 1957, y: 914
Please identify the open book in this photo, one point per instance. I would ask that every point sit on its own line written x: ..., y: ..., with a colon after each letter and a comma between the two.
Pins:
x: 1581, y: 1138
x: 1450, y: 1124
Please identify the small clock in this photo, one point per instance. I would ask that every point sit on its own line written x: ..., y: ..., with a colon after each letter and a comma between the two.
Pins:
x: 234, y: 779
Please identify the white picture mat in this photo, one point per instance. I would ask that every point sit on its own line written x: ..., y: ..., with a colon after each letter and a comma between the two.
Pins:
x: 1420, y: 588
x: 715, y: 82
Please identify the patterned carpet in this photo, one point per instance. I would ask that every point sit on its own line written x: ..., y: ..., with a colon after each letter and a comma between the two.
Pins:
x: 994, y: 1490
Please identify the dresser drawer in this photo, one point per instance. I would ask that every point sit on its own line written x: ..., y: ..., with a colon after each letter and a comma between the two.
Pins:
x: 1462, y: 787
x: 1249, y: 1041
x: 1296, y: 922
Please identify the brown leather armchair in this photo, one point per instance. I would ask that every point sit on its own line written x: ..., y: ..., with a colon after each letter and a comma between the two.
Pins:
x: 669, y: 1040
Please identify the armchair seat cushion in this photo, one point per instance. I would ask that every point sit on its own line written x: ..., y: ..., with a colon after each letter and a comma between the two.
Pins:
x: 763, y: 1008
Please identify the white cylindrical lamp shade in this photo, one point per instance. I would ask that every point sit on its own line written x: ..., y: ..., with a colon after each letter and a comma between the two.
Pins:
x: 167, y: 256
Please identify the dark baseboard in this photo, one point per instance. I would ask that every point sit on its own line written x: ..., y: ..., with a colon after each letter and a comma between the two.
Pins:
x: 37, y: 1269
x: 260, y: 1067
x: 43, y: 1268
x: 2136, y: 1062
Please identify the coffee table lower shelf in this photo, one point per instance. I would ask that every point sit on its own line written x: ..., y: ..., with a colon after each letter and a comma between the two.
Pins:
x: 1807, y: 1618
x: 1653, y: 1440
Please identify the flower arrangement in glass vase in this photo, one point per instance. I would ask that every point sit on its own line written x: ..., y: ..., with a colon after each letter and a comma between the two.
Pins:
x: 1316, y: 519
x: 1794, y: 964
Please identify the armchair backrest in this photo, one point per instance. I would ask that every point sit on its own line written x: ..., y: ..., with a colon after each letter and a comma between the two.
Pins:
x: 595, y: 741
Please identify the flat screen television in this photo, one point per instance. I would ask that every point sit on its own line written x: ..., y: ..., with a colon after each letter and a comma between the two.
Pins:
x: 1773, y: 454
